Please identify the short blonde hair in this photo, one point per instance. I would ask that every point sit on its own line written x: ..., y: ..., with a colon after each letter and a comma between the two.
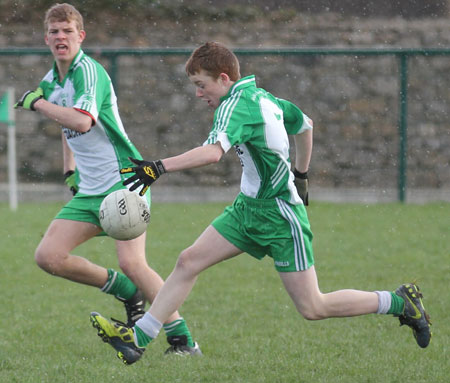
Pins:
x: 214, y: 58
x: 63, y: 12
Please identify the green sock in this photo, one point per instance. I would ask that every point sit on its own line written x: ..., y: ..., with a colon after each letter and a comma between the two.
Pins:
x: 142, y: 338
x: 119, y: 285
x: 397, y: 305
x: 179, y: 327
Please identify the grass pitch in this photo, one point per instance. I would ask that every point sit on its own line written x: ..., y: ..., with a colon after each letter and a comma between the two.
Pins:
x: 238, y: 311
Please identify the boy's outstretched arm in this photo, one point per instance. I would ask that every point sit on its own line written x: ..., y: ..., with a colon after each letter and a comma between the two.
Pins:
x: 68, y: 117
x: 147, y: 172
x: 194, y: 158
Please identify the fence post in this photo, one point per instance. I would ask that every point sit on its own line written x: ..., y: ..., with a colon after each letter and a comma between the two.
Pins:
x: 403, y: 126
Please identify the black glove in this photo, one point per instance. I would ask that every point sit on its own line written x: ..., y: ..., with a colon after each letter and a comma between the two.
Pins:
x: 146, y: 173
x: 301, y: 183
x: 29, y: 98
x: 71, y: 182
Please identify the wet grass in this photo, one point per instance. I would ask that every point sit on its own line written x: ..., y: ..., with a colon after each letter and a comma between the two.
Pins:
x: 238, y: 311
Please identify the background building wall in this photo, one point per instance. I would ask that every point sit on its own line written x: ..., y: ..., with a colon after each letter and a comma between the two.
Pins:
x: 352, y: 100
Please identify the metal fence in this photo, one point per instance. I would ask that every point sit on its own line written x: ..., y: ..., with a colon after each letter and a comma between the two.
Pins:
x: 402, y: 55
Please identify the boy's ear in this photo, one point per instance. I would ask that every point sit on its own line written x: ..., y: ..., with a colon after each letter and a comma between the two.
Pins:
x: 82, y: 35
x: 225, y: 79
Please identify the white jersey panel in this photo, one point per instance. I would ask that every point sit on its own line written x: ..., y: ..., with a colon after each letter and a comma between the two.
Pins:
x: 277, y: 141
x: 250, y: 180
x: 98, y: 167
x: 63, y: 96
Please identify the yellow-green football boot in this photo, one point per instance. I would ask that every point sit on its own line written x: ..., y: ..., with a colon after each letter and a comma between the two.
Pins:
x: 414, y: 314
x: 121, y: 338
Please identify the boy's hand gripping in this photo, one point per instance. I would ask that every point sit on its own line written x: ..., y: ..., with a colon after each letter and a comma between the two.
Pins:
x: 146, y: 172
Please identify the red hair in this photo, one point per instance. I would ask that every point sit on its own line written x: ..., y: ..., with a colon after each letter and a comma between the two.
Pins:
x: 214, y: 58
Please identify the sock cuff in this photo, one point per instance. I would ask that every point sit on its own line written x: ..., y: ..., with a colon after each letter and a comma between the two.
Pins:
x: 112, y: 276
x: 384, y: 301
x: 149, y: 325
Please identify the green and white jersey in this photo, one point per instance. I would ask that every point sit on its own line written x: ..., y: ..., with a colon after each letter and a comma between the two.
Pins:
x: 102, y: 151
x: 257, y: 124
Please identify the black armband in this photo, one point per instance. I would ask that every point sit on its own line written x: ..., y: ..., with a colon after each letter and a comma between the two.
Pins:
x: 160, y: 167
x: 302, y: 176
x: 68, y: 174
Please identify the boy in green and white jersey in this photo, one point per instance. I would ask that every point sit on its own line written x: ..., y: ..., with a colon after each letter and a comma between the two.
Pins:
x: 87, y: 88
x: 268, y: 217
x: 78, y: 93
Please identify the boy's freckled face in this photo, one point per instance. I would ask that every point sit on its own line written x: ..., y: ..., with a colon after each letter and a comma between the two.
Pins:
x: 210, y: 89
x: 64, y: 40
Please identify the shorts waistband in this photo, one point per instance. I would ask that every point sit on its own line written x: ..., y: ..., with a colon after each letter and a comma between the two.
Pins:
x: 256, y: 202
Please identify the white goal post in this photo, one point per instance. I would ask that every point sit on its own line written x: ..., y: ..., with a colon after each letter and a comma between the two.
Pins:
x: 7, y: 116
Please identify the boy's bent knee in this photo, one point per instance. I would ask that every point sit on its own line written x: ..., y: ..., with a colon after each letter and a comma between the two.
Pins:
x: 186, y: 261
x: 47, y: 261
x: 131, y: 267
x: 42, y: 260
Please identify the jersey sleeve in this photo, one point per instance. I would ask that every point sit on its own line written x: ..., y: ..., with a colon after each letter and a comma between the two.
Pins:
x: 88, y: 87
x: 295, y: 120
x: 229, y: 125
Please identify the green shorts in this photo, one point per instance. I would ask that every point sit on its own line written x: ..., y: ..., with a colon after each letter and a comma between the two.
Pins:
x: 85, y: 208
x: 271, y: 227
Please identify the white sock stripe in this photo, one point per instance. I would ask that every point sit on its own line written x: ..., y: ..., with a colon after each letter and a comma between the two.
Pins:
x: 172, y: 325
x: 109, y: 284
